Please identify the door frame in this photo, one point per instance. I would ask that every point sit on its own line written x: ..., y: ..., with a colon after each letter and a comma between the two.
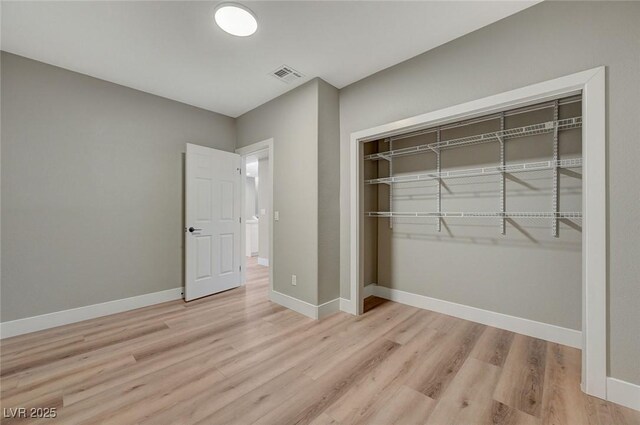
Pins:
x: 592, y: 84
x: 244, y: 152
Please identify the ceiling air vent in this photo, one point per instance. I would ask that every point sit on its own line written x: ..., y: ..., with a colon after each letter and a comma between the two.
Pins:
x: 286, y: 74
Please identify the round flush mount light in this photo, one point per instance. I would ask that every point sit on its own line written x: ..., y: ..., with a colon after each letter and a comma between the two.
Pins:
x: 235, y: 19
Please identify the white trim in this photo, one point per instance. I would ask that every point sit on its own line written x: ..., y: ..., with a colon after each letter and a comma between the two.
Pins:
x: 328, y: 308
x: 245, y: 151
x: 263, y: 261
x: 347, y: 306
x: 624, y: 393
x: 303, y: 307
x: 369, y: 290
x: 64, y: 317
x: 594, y: 236
x: 565, y: 336
x: 594, y: 253
x: 294, y: 304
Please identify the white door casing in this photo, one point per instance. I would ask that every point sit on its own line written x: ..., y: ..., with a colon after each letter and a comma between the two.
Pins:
x: 245, y: 151
x: 592, y: 84
x: 212, y: 227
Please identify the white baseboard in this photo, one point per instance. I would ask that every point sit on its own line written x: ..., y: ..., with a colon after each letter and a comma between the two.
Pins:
x: 624, y: 393
x: 59, y: 318
x: 263, y: 261
x: 565, y: 336
x: 328, y: 308
x: 369, y: 290
x: 303, y: 307
x: 294, y: 304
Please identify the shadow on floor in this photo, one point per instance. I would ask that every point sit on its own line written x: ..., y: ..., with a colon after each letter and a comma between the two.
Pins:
x: 372, y: 302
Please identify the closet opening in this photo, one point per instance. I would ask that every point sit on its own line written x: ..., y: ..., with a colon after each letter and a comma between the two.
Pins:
x: 492, y: 211
x: 483, y: 212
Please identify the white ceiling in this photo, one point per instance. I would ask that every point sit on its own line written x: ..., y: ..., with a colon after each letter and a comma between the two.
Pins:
x: 175, y: 50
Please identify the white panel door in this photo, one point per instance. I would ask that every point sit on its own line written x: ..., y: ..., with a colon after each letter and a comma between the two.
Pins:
x: 212, y: 233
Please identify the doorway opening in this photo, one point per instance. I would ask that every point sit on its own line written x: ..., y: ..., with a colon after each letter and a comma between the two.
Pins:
x: 257, y: 214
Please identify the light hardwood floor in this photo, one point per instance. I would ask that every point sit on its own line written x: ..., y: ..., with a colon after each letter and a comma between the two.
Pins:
x: 238, y: 358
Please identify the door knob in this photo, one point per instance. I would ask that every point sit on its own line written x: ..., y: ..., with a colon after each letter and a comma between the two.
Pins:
x: 193, y: 229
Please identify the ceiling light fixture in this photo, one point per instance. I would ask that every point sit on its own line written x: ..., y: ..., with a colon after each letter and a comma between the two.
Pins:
x: 235, y: 19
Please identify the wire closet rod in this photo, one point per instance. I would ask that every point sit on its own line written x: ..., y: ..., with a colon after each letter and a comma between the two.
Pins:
x: 494, y: 136
x: 524, y: 110
x: 575, y: 215
x: 483, y: 171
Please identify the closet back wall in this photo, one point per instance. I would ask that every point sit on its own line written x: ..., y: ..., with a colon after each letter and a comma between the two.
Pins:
x: 546, y: 41
x: 92, y: 187
x: 526, y: 272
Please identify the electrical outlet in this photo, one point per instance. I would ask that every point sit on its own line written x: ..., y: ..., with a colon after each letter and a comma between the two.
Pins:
x: 294, y: 280
x: 276, y: 215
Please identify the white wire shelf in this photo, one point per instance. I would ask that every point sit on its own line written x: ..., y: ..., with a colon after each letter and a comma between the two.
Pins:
x: 574, y: 215
x: 483, y: 171
x: 524, y: 110
x: 495, y: 136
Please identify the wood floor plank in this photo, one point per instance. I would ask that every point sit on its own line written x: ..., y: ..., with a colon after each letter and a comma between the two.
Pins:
x: 621, y: 415
x: 476, y: 380
x: 442, y: 364
x: 84, y: 360
x: 598, y: 412
x: 308, y: 405
x: 555, y: 406
x: 363, y: 400
x: 475, y: 412
x: 563, y: 365
x: 408, y: 329
x: 311, y: 338
x: 562, y: 389
x: 50, y: 356
x: 251, y: 406
x: 208, y: 333
x: 468, y: 399
x: 238, y: 358
x: 20, y: 396
x: 406, y: 407
x: 244, y: 377
x: 39, y: 348
x: 493, y: 346
x: 522, y: 381
x: 325, y: 419
x: 135, y: 391
x: 133, y: 413
x: 117, y: 321
x: 140, y: 369
x: 354, y: 340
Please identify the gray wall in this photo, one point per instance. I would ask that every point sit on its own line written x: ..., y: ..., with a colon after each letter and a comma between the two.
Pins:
x: 92, y: 187
x: 263, y: 204
x: 543, y: 42
x: 328, y: 192
x: 292, y: 120
x: 304, y: 124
